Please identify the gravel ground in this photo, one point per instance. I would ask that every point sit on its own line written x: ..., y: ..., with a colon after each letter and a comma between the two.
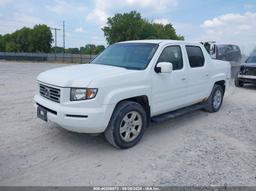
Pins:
x: 196, y: 149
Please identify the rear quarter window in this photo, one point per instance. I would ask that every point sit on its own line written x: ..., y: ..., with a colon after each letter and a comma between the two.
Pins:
x: 195, y: 56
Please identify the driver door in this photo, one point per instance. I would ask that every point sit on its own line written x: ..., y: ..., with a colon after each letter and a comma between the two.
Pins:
x: 169, y: 90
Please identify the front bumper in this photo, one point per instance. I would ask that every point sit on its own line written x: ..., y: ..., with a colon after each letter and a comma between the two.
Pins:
x: 247, y: 78
x: 81, y: 120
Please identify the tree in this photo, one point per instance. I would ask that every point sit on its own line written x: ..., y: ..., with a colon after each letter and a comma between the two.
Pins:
x: 99, y: 49
x: 23, y: 39
x: 41, y: 38
x: 10, y: 47
x: 38, y: 39
x: 73, y: 51
x: 9, y: 43
x: 131, y: 26
x: 1, y: 43
x: 57, y: 49
x: 92, y: 49
x: 123, y: 27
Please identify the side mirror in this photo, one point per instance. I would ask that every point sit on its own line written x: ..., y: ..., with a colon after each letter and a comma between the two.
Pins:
x: 164, y: 67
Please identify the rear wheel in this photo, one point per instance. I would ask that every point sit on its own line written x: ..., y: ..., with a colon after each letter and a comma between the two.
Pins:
x: 214, y: 102
x: 127, y: 125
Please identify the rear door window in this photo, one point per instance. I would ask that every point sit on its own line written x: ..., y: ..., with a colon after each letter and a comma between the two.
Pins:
x: 195, y: 56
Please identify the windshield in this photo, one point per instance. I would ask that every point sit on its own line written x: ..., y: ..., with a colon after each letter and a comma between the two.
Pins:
x: 127, y: 55
x: 251, y: 59
x: 222, y: 50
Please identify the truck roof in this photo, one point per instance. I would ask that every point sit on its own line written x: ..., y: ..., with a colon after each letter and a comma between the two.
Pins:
x: 161, y: 41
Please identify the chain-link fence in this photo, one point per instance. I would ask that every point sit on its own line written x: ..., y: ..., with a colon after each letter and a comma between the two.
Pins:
x: 47, y: 57
x: 71, y: 58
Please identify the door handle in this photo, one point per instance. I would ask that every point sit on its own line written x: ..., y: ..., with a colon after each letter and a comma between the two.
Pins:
x: 183, y: 79
x: 206, y: 75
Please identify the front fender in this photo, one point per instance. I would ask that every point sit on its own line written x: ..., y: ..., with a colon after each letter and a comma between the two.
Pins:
x: 117, y: 95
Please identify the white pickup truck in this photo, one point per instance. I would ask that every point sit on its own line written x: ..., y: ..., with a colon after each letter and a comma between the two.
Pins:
x: 129, y: 85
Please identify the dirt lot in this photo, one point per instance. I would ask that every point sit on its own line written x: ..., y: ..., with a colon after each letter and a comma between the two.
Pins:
x: 196, y: 149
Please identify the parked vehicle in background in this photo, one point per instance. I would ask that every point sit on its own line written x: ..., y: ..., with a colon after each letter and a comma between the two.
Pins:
x: 129, y: 84
x: 225, y: 52
x: 247, y: 72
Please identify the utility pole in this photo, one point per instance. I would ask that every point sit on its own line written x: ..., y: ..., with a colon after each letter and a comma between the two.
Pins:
x: 55, y: 39
x: 63, y: 40
x: 64, y: 36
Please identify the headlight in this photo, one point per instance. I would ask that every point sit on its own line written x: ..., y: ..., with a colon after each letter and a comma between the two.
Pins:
x: 242, y: 69
x: 78, y: 94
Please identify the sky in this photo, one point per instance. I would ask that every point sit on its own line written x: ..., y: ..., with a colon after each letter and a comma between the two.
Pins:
x: 223, y: 21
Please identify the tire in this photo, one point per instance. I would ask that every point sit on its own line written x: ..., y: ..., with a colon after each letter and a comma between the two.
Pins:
x: 123, y: 131
x: 238, y: 83
x: 215, y: 100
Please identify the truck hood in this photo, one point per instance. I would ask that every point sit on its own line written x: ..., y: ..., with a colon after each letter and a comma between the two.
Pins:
x: 80, y: 75
x: 250, y: 64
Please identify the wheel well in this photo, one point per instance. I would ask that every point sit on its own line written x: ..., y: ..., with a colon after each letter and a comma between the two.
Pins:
x: 143, y: 101
x: 222, y: 84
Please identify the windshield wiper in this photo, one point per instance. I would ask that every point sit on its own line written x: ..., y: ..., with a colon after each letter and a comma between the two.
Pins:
x: 126, y: 67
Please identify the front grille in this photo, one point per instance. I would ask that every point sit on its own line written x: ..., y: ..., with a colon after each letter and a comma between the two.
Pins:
x: 250, y: 71
x: 247, y: 70
x: 50, y: 93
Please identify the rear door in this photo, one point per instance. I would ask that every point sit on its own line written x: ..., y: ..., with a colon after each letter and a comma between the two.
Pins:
x: 198, y: 74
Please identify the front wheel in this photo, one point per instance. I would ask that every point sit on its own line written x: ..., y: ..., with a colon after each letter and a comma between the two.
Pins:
x: 127, y: 125
x: 214, y: 102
